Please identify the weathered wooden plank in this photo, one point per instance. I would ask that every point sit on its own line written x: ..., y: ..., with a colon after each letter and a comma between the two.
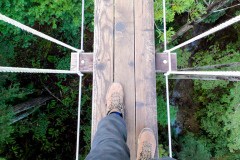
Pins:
x: 86, y: 62
x: 162, y: 62
x: 103, y: 58
x: 145, y: 75
x: 124, y: 64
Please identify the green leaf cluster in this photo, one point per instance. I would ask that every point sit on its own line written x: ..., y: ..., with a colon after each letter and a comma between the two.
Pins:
x: 194, y: 148
x: 220, y: 115
x: 175, y: 8
x: 162, y: 112
x: 50, y: 131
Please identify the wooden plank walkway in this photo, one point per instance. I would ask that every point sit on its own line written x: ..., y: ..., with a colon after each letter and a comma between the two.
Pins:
x: 103, y: 58
x: 124, y: 52
x: 146, y: 107
x: 124, y: 62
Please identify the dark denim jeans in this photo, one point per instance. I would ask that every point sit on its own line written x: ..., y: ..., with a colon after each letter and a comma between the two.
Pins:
x: 110, y: 139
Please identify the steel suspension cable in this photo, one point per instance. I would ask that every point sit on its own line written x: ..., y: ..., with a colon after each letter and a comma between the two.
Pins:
x: 80, y: 82
x: 209, y: 32
x: 164, y: 25
x: 208, y: 73
x: 166, y: 78
x: 34, y: 70
x: 214, y: 73
x: 82, y: 27
x: 79, y: 115
x: 35, y: 32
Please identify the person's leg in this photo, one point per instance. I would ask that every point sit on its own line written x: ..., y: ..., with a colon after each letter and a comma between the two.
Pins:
x: 110, y: 139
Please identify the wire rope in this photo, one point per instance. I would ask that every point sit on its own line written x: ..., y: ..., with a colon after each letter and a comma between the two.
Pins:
x: 209, y: 32
x: 166, y: 77
x: 35, y: 32
x: 34, y: 70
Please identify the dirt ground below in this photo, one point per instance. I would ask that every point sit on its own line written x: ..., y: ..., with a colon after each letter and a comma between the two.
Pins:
x: 183, y: 98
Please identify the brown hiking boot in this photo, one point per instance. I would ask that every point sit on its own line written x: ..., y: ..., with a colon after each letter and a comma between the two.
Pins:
x: 114, y: 99
x: 146, y: 145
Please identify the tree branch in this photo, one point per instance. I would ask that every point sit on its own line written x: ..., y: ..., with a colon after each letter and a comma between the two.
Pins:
x: 30, y: 104
x: 25, y: 109
x: 210, y: 9
x: 45, y: 87
x: 24, y: 115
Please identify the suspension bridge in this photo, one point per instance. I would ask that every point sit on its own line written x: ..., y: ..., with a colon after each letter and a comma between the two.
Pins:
x: 124, y: 51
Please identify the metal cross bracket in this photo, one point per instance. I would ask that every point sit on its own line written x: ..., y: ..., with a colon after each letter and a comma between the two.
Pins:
x: 85, y: 62
x: 162, y: 65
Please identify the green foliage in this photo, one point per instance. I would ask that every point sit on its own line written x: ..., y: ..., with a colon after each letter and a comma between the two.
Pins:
x: 160, y: 35
x: 51, y: 130
x: 162, y: 152
x: 41, y: 129
x: 176, y: 7
x: 215, y: 55
x: 6, y: 115
x: 86, y: 127
x: 161, y: 103
x: 214, y: 17
x: 219, y: 117
x: 162, y: 111
x: 63, y: 64
x: 194, y: 148
x: 7, y: 97
x: 219, y: 102
x: 231, y: 123
x: 6, y: 52
x: 49, y: 133
x: 62, y: 17
x: 173, y: 9
x: 182, y: 58
x: 13, y: 93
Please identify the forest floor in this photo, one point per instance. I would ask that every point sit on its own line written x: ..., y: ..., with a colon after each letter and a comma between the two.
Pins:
x: 183, y: 98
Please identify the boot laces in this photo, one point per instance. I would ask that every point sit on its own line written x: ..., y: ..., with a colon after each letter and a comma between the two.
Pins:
x: 146, y: 153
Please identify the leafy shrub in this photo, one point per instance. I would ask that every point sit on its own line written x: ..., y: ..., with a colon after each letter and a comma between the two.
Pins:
x: 194, y: 148
x: 162, y: 112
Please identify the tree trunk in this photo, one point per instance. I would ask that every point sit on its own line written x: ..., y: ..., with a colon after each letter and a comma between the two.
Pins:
x: 25, y: 109
x: 210, y: 9
x: 30, y: 104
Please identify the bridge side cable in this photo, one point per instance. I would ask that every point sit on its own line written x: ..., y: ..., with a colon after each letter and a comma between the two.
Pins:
x: 34, y: 70
x: 35, y: 32
x: 166, y: 79
x: 80, y: 83
x: 209, y: 32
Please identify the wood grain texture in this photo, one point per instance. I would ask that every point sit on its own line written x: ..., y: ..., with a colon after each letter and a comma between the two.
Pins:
x: 86, y: 62
x: 103, y: 58
x: 124, y: 51
x: 124, y: 64
x: 145, y: 75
